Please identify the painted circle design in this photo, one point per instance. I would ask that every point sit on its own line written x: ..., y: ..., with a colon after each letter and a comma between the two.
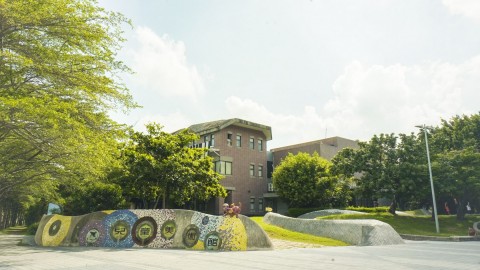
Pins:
x: 213, y: 241
x: 58, y: 227
x: 55, y: 227
x: 118, y: 226
x: 169, y: 228
x: 92, y: 234
x: 190, y: 236
x: 144, y: 231
x: 82, y: 222
x: 119, y: 230
x: 205, y: 220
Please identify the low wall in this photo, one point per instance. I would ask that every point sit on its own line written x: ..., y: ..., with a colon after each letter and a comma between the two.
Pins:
x: 164, y: 228
x: 361, y: 232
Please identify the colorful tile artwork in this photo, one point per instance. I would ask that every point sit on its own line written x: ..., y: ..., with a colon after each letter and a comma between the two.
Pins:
x: 164, y: 228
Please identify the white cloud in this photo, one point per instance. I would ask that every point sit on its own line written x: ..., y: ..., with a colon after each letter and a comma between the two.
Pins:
x: 376, y: 99
x: 287, y: 129
x: 467, y: 8
x: 161, y: 65
x: 170, y: 122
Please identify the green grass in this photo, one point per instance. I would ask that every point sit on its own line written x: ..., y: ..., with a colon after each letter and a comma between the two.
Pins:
x: 283, y: 234
x: 20, y: 230
x: 419, y: 225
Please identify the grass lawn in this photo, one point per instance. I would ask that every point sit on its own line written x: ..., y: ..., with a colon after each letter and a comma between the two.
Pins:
x: 14, y: 230
x: 419, y: 225
x: 283, y: 234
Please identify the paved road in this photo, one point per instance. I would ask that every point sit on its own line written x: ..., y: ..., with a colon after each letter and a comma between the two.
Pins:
x: 412, y: 255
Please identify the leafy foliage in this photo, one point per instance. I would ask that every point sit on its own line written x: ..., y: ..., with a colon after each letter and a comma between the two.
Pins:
x: 390, y: 167
x: 95, y: 196
x: 57, y: 83
x: 456, y: 151
x: 161, y: 165
x: 304, y: 180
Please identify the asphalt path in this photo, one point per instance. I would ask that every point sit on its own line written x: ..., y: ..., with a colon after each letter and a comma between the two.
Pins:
x: 412, y: 255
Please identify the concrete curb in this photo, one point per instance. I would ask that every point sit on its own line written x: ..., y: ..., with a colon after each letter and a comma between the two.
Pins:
x: 440, y: 238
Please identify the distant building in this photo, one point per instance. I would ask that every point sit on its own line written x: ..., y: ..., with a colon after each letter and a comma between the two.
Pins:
x: 326, y: 148
x: 238, y: 148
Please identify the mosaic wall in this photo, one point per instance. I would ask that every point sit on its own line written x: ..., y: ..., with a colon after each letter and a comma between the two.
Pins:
x: 164, y: 228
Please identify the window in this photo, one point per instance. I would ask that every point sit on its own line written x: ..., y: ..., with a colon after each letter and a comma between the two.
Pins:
x: 239, y: 140
x: 229, y: 139
x: 270, y: 187
x: 209, y: 140
x: 251, y: 143
x: 252, y: 204
x: 260, y: 144
x: 260, y: 171
x: 252, y: 170
x: 223, y: 167
x: 260, y: 205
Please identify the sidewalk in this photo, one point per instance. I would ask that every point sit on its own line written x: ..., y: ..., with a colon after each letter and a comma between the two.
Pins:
x: 423, y: 255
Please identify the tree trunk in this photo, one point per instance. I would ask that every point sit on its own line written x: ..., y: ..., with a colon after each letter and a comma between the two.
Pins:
x: 393, y: 206
x: 460, y: 210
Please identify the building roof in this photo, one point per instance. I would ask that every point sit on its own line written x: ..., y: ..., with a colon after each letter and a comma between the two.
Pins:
x: 213, y: 126
x: 333, y: 141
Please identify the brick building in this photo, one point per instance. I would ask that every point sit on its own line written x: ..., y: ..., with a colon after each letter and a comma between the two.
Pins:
x: 239, y: 150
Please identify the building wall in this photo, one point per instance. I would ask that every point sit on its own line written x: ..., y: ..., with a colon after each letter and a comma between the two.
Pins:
x: 243, y: 187
x: 326, y: 148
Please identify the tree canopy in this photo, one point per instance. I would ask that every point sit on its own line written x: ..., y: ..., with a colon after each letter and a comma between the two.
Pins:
x: 58, y: 81
x: 160, y: 165
x: 395, y: 167
x: 304, y: 180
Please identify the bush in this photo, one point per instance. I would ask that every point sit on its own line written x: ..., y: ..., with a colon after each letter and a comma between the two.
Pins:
x: 32, y: 228
x: 369, y: 209
x: 295, y: 212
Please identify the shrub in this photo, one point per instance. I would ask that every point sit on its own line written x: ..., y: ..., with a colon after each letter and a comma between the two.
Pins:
x: 32, y: 228
x: 295, y: 212
x: 381, y: 209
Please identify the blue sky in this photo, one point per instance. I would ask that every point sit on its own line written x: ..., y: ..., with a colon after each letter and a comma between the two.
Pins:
x: 309, y: 69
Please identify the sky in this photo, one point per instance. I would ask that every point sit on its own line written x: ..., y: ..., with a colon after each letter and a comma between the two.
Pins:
x: 309, y: 69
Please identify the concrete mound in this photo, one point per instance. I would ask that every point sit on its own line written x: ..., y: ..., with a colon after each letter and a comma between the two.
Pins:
x: 360, y: 232
x: 166, y: 228
x: 328, y: 212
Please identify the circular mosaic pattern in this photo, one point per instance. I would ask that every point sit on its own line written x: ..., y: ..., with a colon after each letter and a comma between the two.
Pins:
x: 92, y: 234
x: 190, y: 236
x: 118, y: 225
x: 55, y: 227
x: 213, y: 241
x: 169, y: 228
x: 82, y: 222
x: 144, y: 231
x: 160, y: 217
x: 119, y: 230
x: 56, y: 230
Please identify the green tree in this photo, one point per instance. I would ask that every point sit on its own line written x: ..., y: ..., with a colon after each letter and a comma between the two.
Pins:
x: 160, y: 165
x: 58, y: 80
x: 93, y: 196
x: 386, y: 166
x: 456, y: 155
x: 304, y: 180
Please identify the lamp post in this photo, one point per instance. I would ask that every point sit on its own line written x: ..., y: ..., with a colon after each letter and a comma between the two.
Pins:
x: 424, y: 128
